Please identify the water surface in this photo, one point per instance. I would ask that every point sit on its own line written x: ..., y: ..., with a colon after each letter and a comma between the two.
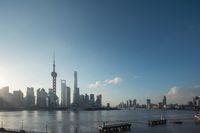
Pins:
x: 88, y: 121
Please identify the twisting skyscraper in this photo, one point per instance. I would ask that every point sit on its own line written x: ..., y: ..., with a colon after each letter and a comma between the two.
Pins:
x: 76, y: 91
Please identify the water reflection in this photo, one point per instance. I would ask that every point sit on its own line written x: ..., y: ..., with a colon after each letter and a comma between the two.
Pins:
x: 76, y: 119
x: 197, y: 123
x: 88, y: 121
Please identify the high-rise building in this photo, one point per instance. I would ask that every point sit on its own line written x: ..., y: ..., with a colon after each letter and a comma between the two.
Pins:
x: 148, y: 103
x: 41, y: 98
x: 63, y: 94
x: 92, y: 100
x: 30, y: 97
x: 127, y: 103
x: 99, y: 101
x: 54, y: 99
x: 4, y: 91
x: 18, y: 99
x: 196, y: 102
x: 108, y: 105
x: 76, y: 91
x: 164, y: 101
x: 6, y: 98
x: 134, y: 103
x: 82, y: 101
x: 86, y: 100
x: 68, y: 97
x: 130, y: 103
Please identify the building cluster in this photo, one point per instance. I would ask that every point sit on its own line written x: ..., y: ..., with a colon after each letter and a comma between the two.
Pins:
x: 148, y: 105
x: 43, y: 99
x: 79, y: 100
x: 195, y: 104
x: 88, y: 101
x: 16, y: 99
x: 160, y: 105
x: 128, y: 104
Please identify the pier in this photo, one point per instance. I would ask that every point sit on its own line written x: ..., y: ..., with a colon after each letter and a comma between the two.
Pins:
x: 157, y: 122
x: 113, y: 128
x: 8, y: 130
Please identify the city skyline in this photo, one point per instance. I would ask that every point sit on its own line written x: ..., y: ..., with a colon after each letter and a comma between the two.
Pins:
x: 122, y: 50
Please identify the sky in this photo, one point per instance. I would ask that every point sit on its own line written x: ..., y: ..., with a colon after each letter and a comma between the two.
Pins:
x: 120, y: 49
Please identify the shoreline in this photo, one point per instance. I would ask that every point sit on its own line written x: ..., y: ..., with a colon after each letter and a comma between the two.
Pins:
x: 58, y: 109
x: 86, y: 109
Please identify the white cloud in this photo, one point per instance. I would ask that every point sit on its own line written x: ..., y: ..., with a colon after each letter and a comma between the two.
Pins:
x: 116, y: 80
x: 99, y: 84
x: 183, y: 94
x: 173, y: 92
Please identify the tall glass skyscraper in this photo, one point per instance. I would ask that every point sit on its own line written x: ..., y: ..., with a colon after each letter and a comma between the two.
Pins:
x: 76, y: 91
x: 63, y: 93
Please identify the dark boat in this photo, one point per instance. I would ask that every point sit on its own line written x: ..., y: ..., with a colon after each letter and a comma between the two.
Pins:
x: 113, y: 128
x: 177, y: 122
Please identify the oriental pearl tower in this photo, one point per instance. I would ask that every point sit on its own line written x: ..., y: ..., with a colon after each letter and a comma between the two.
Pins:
x: 54, y: 101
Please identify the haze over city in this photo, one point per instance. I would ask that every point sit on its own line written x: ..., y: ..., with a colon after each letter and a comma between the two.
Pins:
x: 132, y: 50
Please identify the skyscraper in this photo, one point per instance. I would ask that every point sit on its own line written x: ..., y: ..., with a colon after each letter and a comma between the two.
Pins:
x: 76, y: 91
x: 18, y: 99
x: 134, y: 103
x: 51, y: 99
x: 86, y: 100
x: 99, y: 101
x: 68, y: 97
x: 30, y: 98
x: 148, y: 103
x: 63, y: 94
x: 130, y: 103
x: 82, y: 101
x: 164, y: 101
x: 41, y: 98
x: 92, y: 100
x: 92, y: 97
x: 6, y: 98
x: 54, y: 98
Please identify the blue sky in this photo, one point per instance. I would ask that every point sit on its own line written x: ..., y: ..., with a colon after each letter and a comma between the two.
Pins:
x: 150, y: 47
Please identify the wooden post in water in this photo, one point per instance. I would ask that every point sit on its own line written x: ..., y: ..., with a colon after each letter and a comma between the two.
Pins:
x: 46, y: 128
x: 1, y: 124
x: 22, y: 124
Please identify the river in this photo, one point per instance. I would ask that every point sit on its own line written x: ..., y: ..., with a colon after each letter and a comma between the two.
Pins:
x: 88, y: 121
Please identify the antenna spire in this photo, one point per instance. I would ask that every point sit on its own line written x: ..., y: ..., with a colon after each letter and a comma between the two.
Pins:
x: 54, y: 65
x: 53, y: 57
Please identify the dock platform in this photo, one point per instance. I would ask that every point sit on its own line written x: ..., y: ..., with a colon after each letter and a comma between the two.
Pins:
x: 157, y: 122
x: 114, y: 128
x: 7, y: 130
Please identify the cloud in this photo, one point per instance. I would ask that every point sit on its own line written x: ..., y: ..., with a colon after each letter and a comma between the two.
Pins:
x: 99, y: 84
x: 116, y: 80
x: 173, y: 92
x: 183, y: 94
